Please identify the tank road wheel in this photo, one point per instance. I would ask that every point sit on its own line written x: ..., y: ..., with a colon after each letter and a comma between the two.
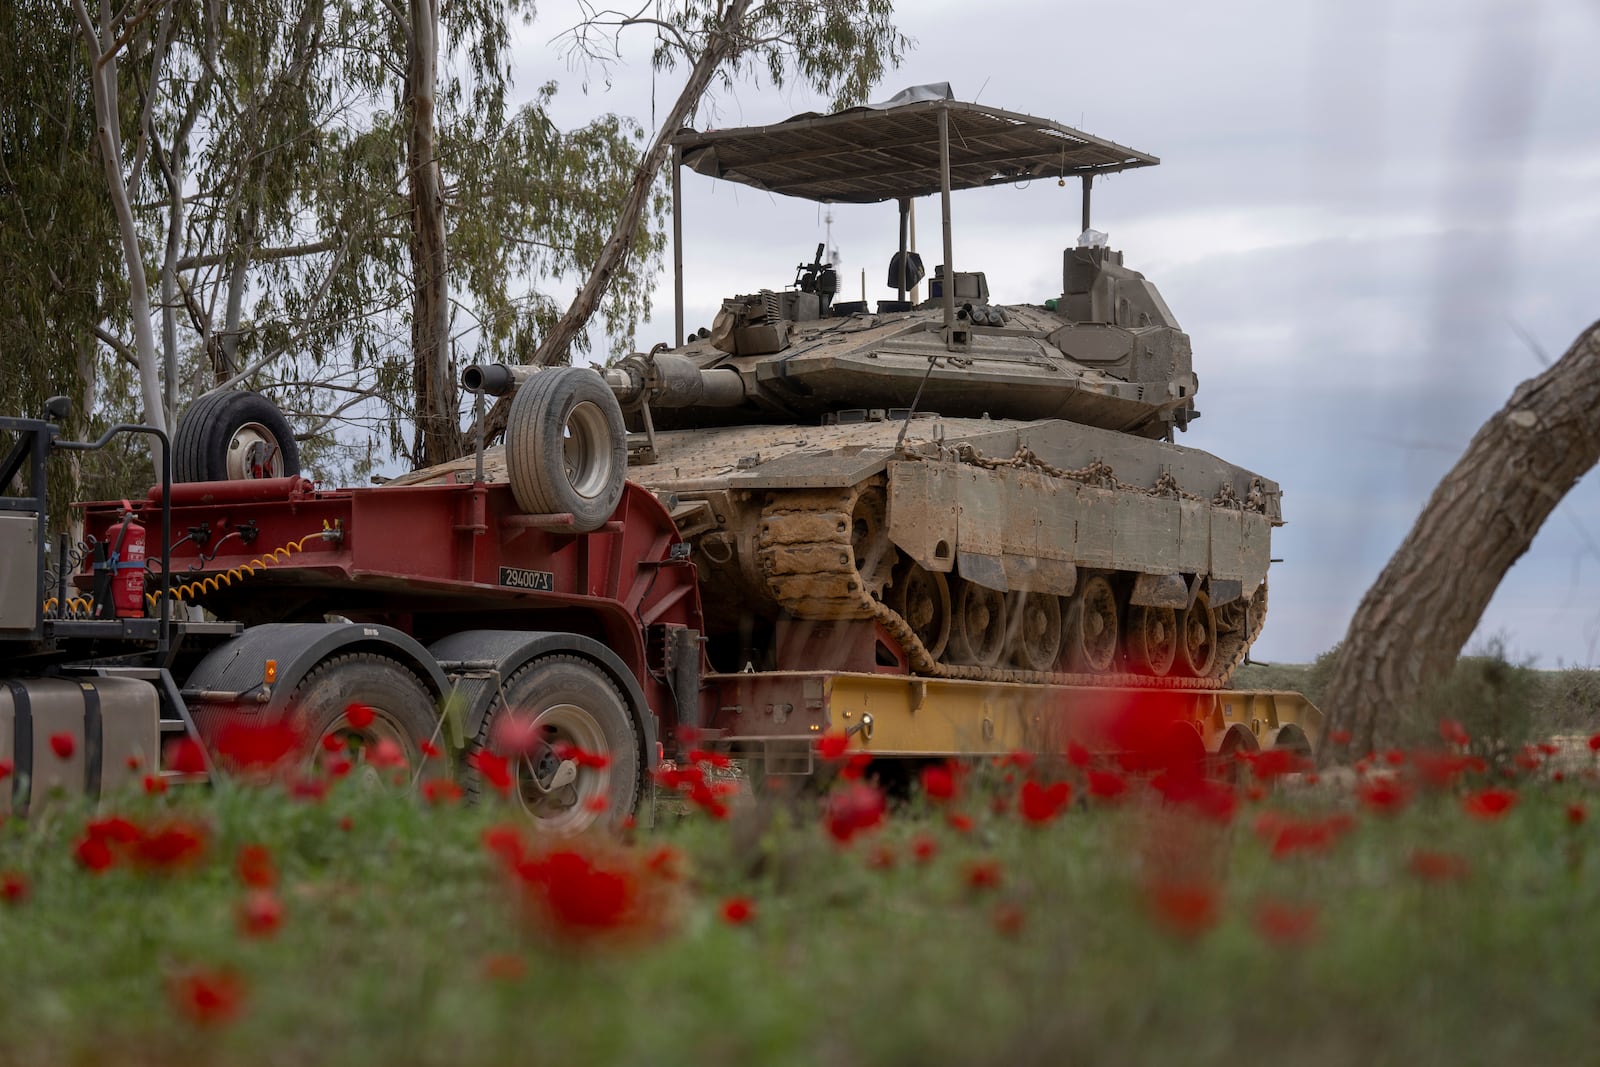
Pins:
x: 233, y: 436
x: 1035, y: 640
x: 558, y: 704
x: 977, y: 626
x: 1197, y: 639
x: 1092, y: 630
x: 869, y: 540
x: 922, y: 598
x: 566, y: 446
x: 1152, y: 639
x: 403, y: 712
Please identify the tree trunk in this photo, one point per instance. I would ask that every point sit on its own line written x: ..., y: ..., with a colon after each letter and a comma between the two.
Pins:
x: 103, y: 76
x: 724, y: 42
x: 438, y: 437
x: 1410, y: 627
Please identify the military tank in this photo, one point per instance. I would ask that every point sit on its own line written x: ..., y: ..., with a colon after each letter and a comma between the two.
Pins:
x: 973, y: 488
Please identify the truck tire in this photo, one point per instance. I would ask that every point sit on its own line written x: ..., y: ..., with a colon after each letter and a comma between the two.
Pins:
x: 402, y: 708
x: 233, y: 436
x: 566, y: 447
x: 564, y: 699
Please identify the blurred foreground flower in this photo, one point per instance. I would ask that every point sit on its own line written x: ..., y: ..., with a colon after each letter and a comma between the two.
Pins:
x: 207, y: 997
x: 851, y: 810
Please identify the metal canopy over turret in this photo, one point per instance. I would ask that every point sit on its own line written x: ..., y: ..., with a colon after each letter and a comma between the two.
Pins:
x: 870, y: 154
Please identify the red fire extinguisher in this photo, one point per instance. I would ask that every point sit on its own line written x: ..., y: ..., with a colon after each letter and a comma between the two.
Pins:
x: 127, y: 556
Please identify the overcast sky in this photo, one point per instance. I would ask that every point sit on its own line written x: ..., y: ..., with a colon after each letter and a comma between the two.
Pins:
x: 1371, y: 216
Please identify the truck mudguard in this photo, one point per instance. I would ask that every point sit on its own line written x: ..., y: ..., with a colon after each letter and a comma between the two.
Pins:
x: 235, y: 671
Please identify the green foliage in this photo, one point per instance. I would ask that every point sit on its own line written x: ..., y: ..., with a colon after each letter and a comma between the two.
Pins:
x: 394, y: 915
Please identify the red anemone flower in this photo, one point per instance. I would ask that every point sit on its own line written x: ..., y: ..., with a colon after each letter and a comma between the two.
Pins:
x: 207, y: 997
x: 260, y: 914
x: 1107, y: 786
x: 255, y: 867
x: 924, y: 848
x: 736, y: 911
x: 172, y: 846
x: 982, y: 874
x: 1187, y: 909
x: 63, y: 745
x: 853, y: 809
x: 1042, y: 803
x: 186, y: 756
x: 1490, y: 803
x: 1384, y: 796
x: 155, y: 785
x: 5, y: 769
x: 1276, y: 763
x: 14, y: 887
x: 580, y: 897
x: 250, y: 746
x: 438, y: 791
x: 495, y: 770
x: 1451, y: 732
x: 832, y: 745
x: 1576, y: 813
x: 938, y: 782
x: 359, y: 716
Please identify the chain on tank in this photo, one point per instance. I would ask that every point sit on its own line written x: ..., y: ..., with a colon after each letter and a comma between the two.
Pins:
x: 808, y: 559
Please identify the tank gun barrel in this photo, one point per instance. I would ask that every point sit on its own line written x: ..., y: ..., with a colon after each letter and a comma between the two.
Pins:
x: 663, y: 380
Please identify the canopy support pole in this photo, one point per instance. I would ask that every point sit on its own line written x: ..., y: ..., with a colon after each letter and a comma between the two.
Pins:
x: 905, y: 222
x: 948, y: 286
x: 677, y: 247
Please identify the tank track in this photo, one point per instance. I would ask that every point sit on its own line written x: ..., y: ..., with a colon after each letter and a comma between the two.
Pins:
x: 808, y: 561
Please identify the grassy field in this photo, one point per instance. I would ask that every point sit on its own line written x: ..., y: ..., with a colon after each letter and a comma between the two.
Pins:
x: 1111, y: 920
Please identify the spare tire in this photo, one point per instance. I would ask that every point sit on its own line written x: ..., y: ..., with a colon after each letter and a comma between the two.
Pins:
x: 233, y: 436
x: 566, y: 446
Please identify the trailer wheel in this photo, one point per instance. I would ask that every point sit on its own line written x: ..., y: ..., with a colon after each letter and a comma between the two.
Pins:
x: 549, y: 708
x: 233, y: 436
x: 566, y: 446
x: 402, y: 708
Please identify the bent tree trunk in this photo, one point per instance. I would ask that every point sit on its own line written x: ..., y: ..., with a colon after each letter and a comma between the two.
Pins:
x: 1410, y: 627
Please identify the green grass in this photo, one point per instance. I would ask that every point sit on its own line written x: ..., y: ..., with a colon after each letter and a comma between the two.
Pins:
x: 382, y: 954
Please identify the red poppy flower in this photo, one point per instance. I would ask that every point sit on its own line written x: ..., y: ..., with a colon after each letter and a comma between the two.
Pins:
x: 63, y: 745
x: 924, y: 848
x: 186, y: 756
x: 5, y: 769
x: 1489, y: 803
x: 260, y: 914
x: 253, y: 746
x: 1434, y: 866
x: 1394, y: 757
x: 438, y: 791
x: 334, y: 742
x: 133, y: 763
x: 584, y: 758
x: 311, y: 789
x: 1576, y: 813
x: 831, y: 745
x: 14, y: 887
x: 347, y: 824
x: 1187, y: 909
x: 113, y: 829
x: 665, y: 863
x: 855, y: 768
x: 207, y: 997
x: 386, y: 754
x: 1040, y: 803
x: 960, y: 823
x: 255, y: 868
x: 504, y: 842
x: 680, y: 778
x: 851, y: 810
x: 1210, y: 800
x: 1286, y: 835
x: 1078, y: 755
x: 1384, y: 796
x: 155, y: 785
x: 982, y: 874
x: 1275, y: 763
x: 1107, y: 786
x: 359, y: 716
x: 337, y: 768
x: 516, y: 734
x: 1451, y: 732
x: 597, y: 804
x: 431, y: 750
x: 938, y: 782
x: 1439, y: 770
x: 710, y: 759
x: 1594, y: 743
x: 494, y: 769
x: 1529, y: 758
x: 172, y: 846
x: 1339, y: 737
x: 1282, y: 923
x: 1008, y: 919
x: 736, y: 911
x: 93, y: 854
x: 1019, y: 759
x: 580, y: 897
